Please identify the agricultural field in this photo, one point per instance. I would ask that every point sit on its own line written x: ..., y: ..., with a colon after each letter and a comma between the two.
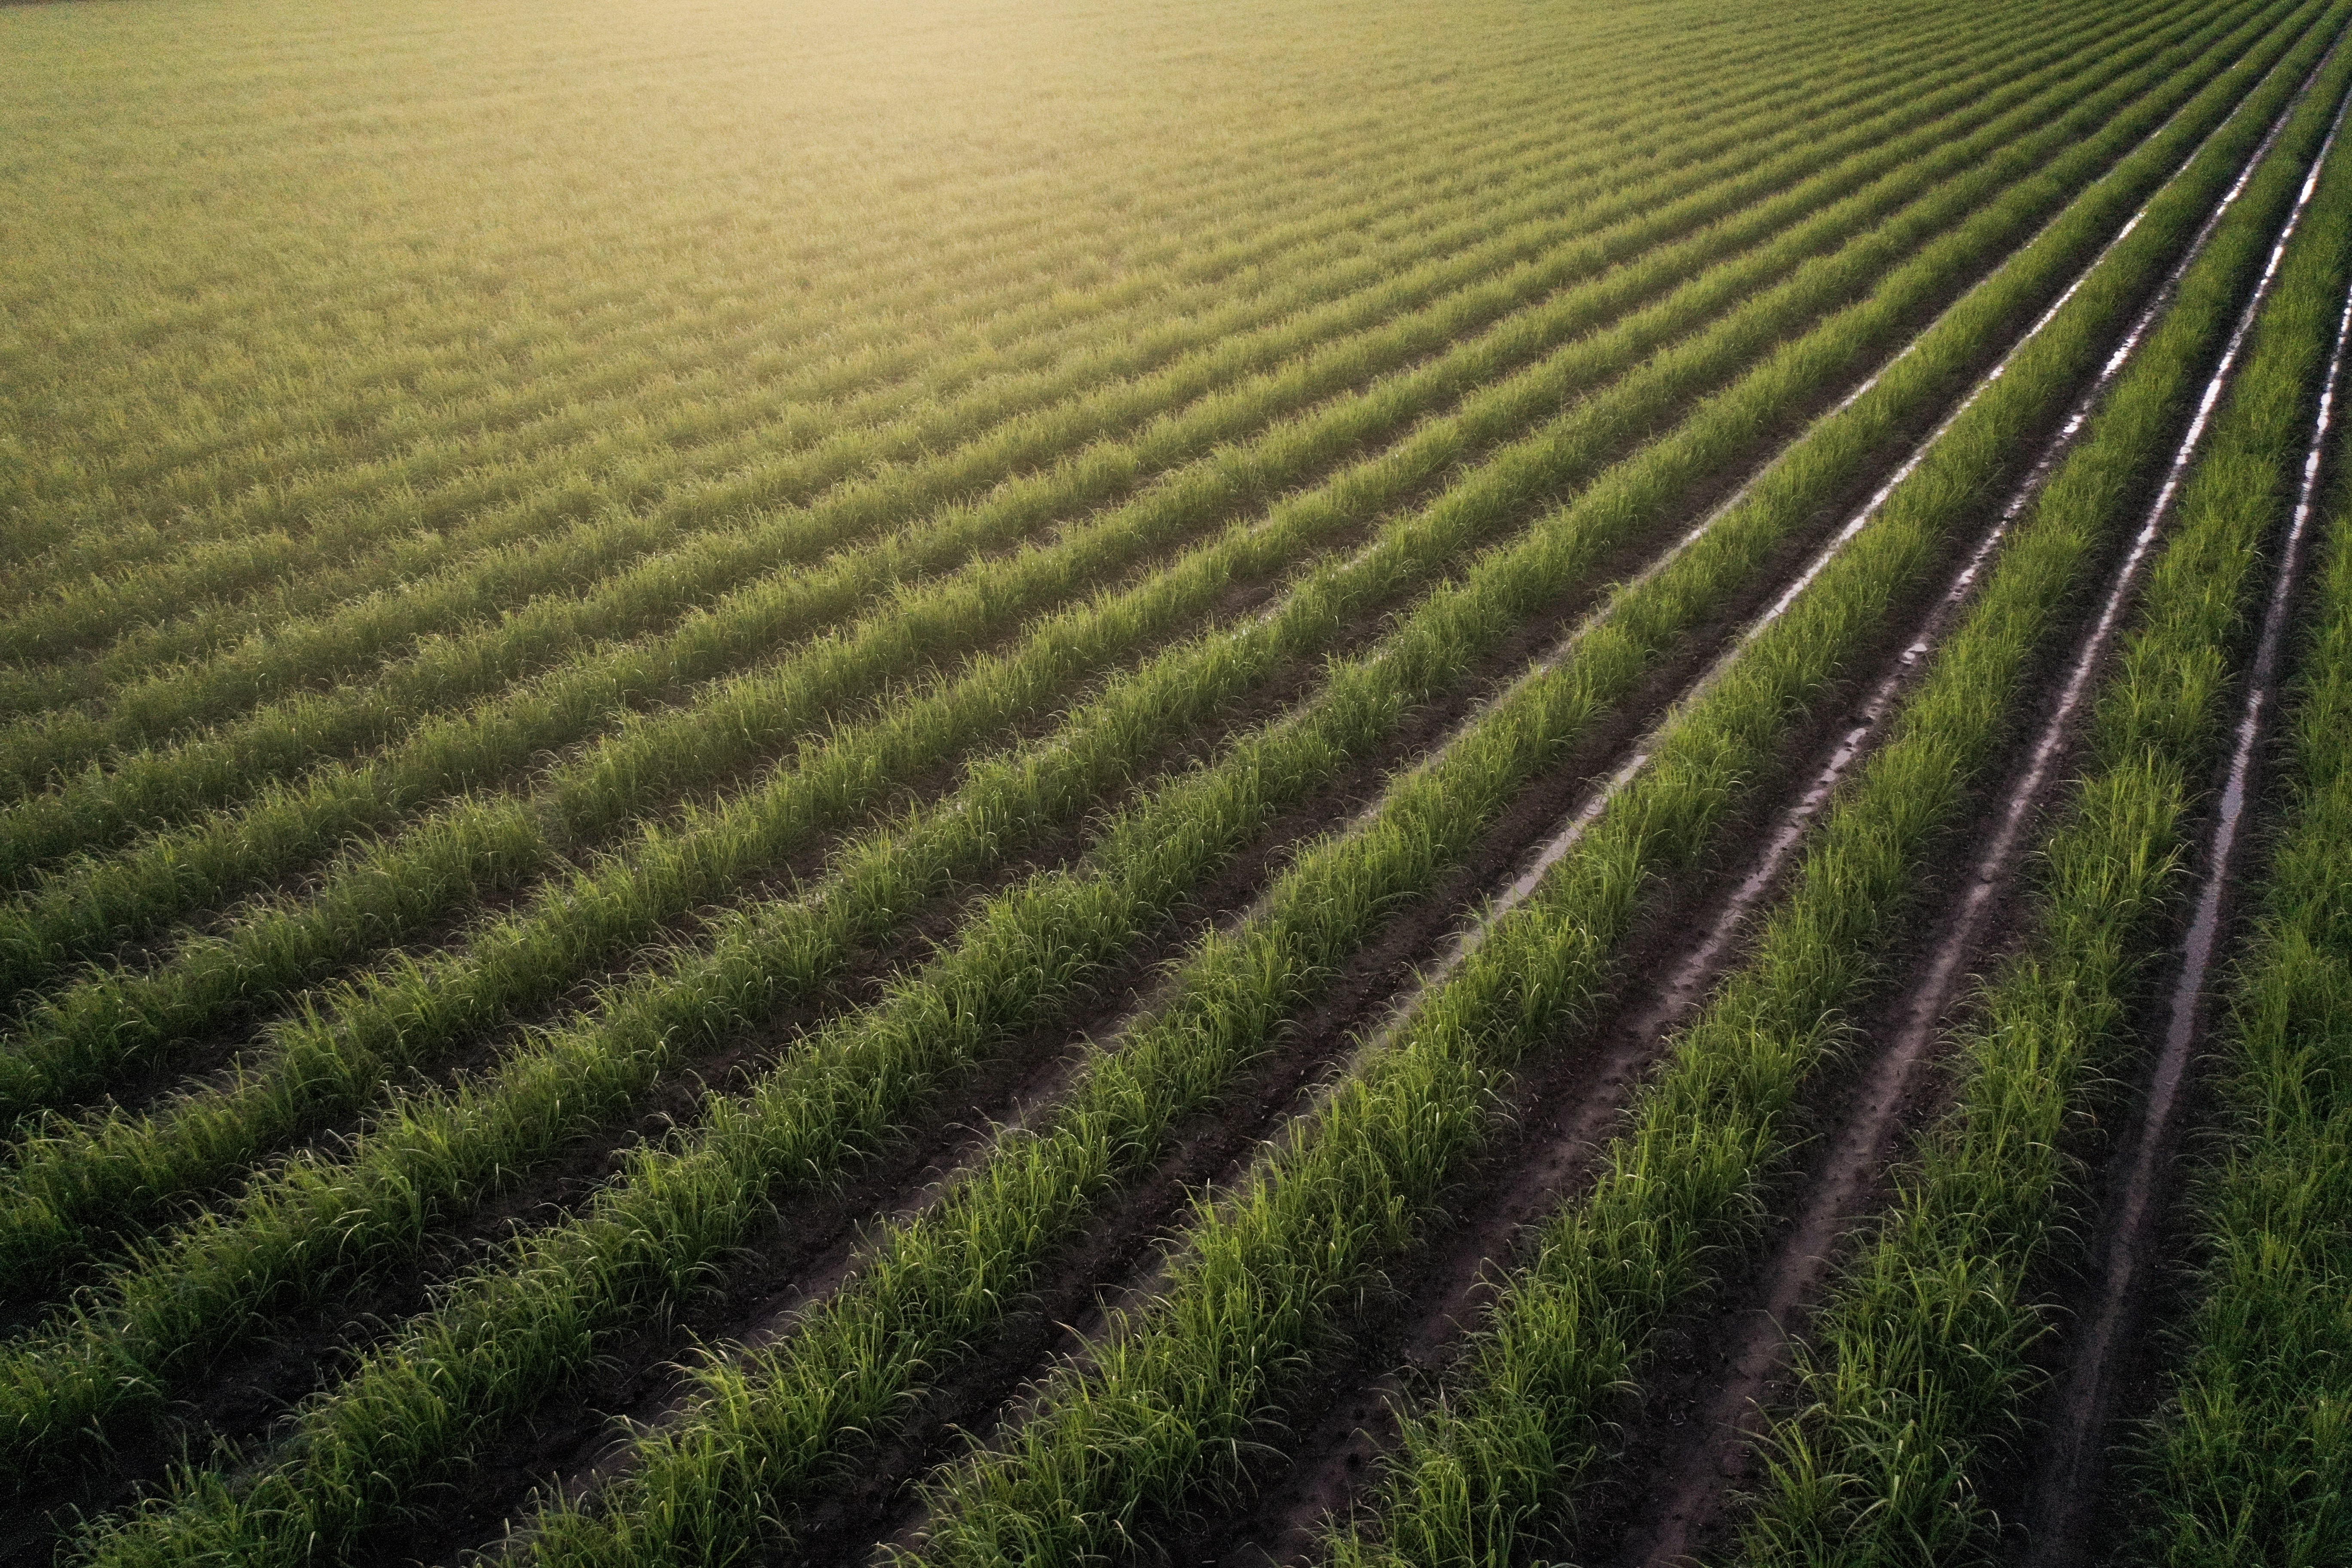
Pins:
x: 1362, y: 782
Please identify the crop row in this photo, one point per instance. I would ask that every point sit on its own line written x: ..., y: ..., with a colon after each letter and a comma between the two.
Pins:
x: 1924, y: 1355
x: 875, y: 277
x: 112, y: 1027
x: 1456, y: 293
x: 2249, y: 1454
x: 350, y: 1441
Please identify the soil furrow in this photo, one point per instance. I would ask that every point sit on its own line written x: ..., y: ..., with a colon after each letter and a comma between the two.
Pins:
x: 1749, y: 1342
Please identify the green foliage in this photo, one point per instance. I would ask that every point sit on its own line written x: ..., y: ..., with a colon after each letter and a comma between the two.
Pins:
x: 327, y: 1060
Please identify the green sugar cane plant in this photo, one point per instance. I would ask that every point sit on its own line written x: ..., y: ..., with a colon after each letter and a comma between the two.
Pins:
x: 451, y: 753
x: 1496, y: 1468
x: 304, y: 652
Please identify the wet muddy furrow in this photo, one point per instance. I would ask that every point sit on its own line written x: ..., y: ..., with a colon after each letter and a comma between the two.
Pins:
x: 1565, y: 1111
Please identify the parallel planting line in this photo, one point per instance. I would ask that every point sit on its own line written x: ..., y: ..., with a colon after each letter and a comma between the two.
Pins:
x: 166, y: 787
x: 938, y: 275
x: 1686, y: 1186
x: 2273, y: 395
x: 83, y: 613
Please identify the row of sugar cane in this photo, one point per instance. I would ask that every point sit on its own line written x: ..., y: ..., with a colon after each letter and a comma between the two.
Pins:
x: 1923, y: 1365
x: 1074, y: 470
x: 950, y: 272
x: 1684, y: 1192
x: 2246, y: 1460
